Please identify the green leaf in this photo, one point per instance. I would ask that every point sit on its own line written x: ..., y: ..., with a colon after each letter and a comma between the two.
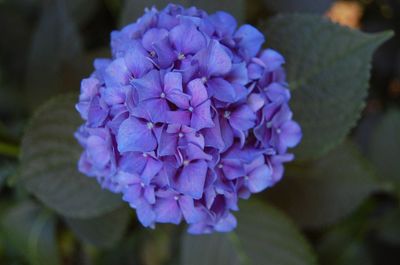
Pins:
x: 53, y: 65
x: 263, y: 236
x: 49, y: 158
x: 307, y: 6
x: 102, y: 231
x: 82, y: 10
x: 7, y: 169
x: 388, y: 228
x: 324, y: 191
x: 344, y: 244
x: 209, y: 249
x: 328, y: 66
x: 385, y: 147
x: 133, y: 9
x: 32, y: 232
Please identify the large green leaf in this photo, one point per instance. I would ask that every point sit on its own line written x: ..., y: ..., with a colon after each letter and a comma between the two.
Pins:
x: 134, y: 9
x: 344, y: 243
x: 385, y: 147
x: 264, y: 236
x: 31, y: 231
x: 388, y: 227
x: 209, y: 249
x: 322, y: 192
x: 49, y: 157
x: 82, y: 10
x: 53, y: 64
x: 101, y: 231
x: 308, y: 6
x: 328, y: 67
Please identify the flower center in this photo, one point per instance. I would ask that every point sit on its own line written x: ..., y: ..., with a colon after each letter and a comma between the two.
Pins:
x: 190, y: 109
x: 180, y: 135
x: 181, y: 56
x: 227, y: 114
x: 144, y: 155
x: 246, y: 177
x: 176, y: 198
x: 186, y: 162
x: 269, y: 124
x: 153, y: 54
x: 142, y: 184
x: 220, y: 166
x: 204, y: 79
x: 162, y: 95
x: 278, y: 131
x: 150, y: 125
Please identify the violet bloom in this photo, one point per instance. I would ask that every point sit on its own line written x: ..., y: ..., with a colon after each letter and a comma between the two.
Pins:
x: 188, y: 116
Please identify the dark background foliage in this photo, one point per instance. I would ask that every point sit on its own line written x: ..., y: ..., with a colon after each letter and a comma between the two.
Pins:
x: 338, y: 203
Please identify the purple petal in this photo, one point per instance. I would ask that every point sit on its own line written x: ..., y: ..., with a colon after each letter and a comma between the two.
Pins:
x: 194, y: 152
x: 238, y: 74
x: 165, y: 54
x: 291, y: 133
x: 191, y: 180
x: 154, y: 110
x: 89, y: 88
x: 201, y: 117
x: 249, y: 40
x: 117, y: 73
x: 221, y: 90
x: 214, y: 60
x: 272, y: 59
x: 178, y: 117
x: 259, y: 179
x: 226, y: 132
x: 152, y: 36
x: 167, y: 144
x: 149, y: 86
x: 137, y: 61
x: 97, y: 112
x: 224, y: 23
x: 191, y: 213
x: 232, y: 168
x: 255, y: 101
x: 242, y: 118
x: 146, y: 214
x: 134, y: 135
x: 226, y: 224
x: 198, y: 92
x: 149, y: 195
x: 213, y: 137
x: 186, y: 38
x: 172, y: 82
x: 167, y: 211
x: 153, y: 166
x: 98, y: 150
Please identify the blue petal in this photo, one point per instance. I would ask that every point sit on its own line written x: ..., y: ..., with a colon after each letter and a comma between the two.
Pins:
x: 134, y: 135
x: 146, y: 214
x: 186, y: 38
x: 167, y: 211
x: 259, y: 179
x: 201, y: 117
x: 149, y: 86
x: 214, y: 60
x: 191, y: 180
x: 221, y: 90
x: 249, y: 40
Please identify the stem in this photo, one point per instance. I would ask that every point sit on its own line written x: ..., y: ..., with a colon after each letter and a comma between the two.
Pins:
x: 9, y: 150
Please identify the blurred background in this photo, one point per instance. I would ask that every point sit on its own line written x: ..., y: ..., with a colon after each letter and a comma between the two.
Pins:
x: 47, y: 47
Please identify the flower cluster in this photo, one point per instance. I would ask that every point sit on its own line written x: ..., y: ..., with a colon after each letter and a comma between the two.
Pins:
x: 187, y: 116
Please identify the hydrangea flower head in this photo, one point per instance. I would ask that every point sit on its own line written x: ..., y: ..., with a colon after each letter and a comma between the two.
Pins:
x: 188, y: 116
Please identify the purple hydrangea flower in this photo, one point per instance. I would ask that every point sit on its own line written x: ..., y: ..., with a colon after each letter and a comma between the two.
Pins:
x: 188, y: 116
